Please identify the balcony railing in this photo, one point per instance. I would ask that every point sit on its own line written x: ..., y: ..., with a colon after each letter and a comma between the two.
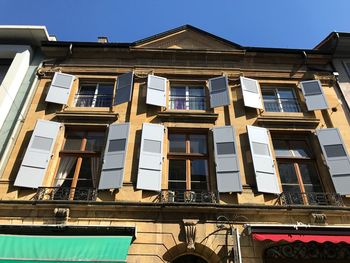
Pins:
x: 187, y: 103
x: 281, y: 105
x: 66, y: 193
x: 82, y: 100
x: 320, y: 199
x: 187, y: 196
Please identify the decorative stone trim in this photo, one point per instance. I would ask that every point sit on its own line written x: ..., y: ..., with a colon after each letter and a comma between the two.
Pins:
x: 190, y: 232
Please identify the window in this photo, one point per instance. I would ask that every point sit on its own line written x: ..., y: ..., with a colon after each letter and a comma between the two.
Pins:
x: 80, y: 161
x: 4, y: 67
x: 280, y: 99
x: 187, y: 98
x: 95, y: 95
x: 298, y: 173
x: 188, y: 163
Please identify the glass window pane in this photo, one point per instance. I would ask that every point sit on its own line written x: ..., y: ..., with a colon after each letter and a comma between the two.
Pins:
x: 42, y: 143
x: 177, y: 175
x: 196, y: 98
x: 261, y: 148
x: 85, y: 173
x: 225, y: 148
x: 104, y: 96
x: 87, y: 90
x: 177, y: 143
x: 116, y: 145
x: 178, y: 98
x: 309, y: 174
x: 287, y: 173
x: 281, y: 148
x: 95, y: 141
x: 196, y: 91
x: 199, y: 170
x: 198, y: 143
x: 85, y: 96
x: 286, y: 93
x: 335, y: 150
x: 178, y: 91
x: 152, y: 146
x: 73, y: 140
x: 300, y: 149
x: 105, y: 89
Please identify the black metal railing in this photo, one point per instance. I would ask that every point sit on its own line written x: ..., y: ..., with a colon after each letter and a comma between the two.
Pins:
x: 282, y: 105
x: 188, y: 196
x: 66, y: 193
x: 187, y: 103
x: 322, y: 199
x: 82, y: 100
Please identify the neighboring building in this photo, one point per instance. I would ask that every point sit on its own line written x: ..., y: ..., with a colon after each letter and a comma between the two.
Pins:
x: 182, y: 147
x: 20, y: 57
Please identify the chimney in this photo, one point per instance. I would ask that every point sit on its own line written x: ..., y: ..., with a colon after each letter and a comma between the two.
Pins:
x: 102, y: 39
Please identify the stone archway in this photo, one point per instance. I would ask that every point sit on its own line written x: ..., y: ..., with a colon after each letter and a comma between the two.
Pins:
x: 190, y: 258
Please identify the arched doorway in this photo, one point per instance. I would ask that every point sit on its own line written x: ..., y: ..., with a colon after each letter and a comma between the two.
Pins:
x: 313, y: 252
x: 189, y: 259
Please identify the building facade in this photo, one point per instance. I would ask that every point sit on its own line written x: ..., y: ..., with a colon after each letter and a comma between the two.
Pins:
x: 182, y: 147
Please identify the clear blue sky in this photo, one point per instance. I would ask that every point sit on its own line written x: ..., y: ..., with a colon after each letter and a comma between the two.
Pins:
x: 268, y: 23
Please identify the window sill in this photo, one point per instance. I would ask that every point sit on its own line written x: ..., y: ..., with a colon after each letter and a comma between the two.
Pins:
x: 291, y: 120
x: 87, y: 116
x: 188, y: 116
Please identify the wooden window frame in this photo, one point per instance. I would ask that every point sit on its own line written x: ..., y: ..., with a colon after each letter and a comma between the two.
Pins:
x: 96, y: 85
x: 187, y: 86
x: 275, y: 87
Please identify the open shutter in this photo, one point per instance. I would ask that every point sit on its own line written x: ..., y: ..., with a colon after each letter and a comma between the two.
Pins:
x: 156, y: 91
x: 264, y: 167
x: 337, y: 158
x: 313, y: 93
x: 38, y: 154
x: 227, y: 165
x: 60, y: 88
x: 112, y: 173
x: 219, y: 92
x: 125, y: 83
x: 151, y: 157
x: 251, y: 93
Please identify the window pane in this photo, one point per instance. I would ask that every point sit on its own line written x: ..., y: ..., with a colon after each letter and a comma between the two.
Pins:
x: 281, y: 148
x: 300, y: 149
x: 198, y: 143
x: 87, y: 90
x: 309, y: 174
x: 73, y: 140
x: 196, y: 98
x: 177, y: 175
x: 196, y: 91
x: 85, y: 174
x: 286, y: 93
x: 85, y: 96
x: 42, y: 143
x: 199, y: 170
x: 178, y: 98
x: 225, y: 148
x: 287, y: 173
x: 336, y: 150
x: 177, y: 143
x: 95, y: 141
x: 65, y: 171
x: 152, y: 146
x: 104, y: 96
x: 261, y: 148
x: 116, y: 145
x: 270, y: 100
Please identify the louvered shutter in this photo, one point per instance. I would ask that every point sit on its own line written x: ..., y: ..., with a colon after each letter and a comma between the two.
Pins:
x: 156, y: 91
x: 219, y: 92
x: 337, y: 158
x: 227, y: 165
x: 314, y: 96
x: 112, y: 173
x: 125, y: 84
x: 151, y: 157
x: 251, y: 93
x: 264, y: 167
x: 60, y: 88
x: 38, y: 154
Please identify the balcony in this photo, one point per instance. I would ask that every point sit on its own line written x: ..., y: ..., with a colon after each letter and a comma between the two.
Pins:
x: 281, y: 105
x: 187, y: 102
x: 318, y: 199
x: 187, y: 196
x: 82, y: 100
x: 66, y: 193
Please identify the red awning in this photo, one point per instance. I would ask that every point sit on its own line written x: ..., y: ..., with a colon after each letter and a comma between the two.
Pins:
x: 301, y: 237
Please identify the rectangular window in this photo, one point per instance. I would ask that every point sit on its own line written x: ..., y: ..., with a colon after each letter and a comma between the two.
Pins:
x: 187, y: 98
x: 188, y: 165
x: 95, y: 95
x: 280, y: 99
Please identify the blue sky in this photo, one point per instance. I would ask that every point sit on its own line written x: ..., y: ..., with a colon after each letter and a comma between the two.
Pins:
x: 267, y: 23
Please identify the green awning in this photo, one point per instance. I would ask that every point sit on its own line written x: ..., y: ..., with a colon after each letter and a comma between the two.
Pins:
x: 26, y: 248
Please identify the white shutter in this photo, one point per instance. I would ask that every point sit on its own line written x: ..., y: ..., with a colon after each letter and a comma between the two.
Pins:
x: 251, y: 93
x: 219, y: 92
x: 156, y: 91
x: 125, y: 84
x: 264, y: 167
x: 38, y: 154
x: 314, y: 96
x: 151, y: 157
x: 227, y: 165
x: 337, y: 158
x: 112, y: 173
x: 60, y: 88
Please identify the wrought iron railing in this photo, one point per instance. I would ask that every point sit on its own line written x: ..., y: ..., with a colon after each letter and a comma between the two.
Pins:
x: 82, y: 100
x: 321, y: 199
x: 188, y: 196
x: 66, y: 193
x: 187, y: 102
x: 282, y: 105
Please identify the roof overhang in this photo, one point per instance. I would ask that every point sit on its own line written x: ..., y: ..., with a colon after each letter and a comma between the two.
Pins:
x: 28, y: 35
